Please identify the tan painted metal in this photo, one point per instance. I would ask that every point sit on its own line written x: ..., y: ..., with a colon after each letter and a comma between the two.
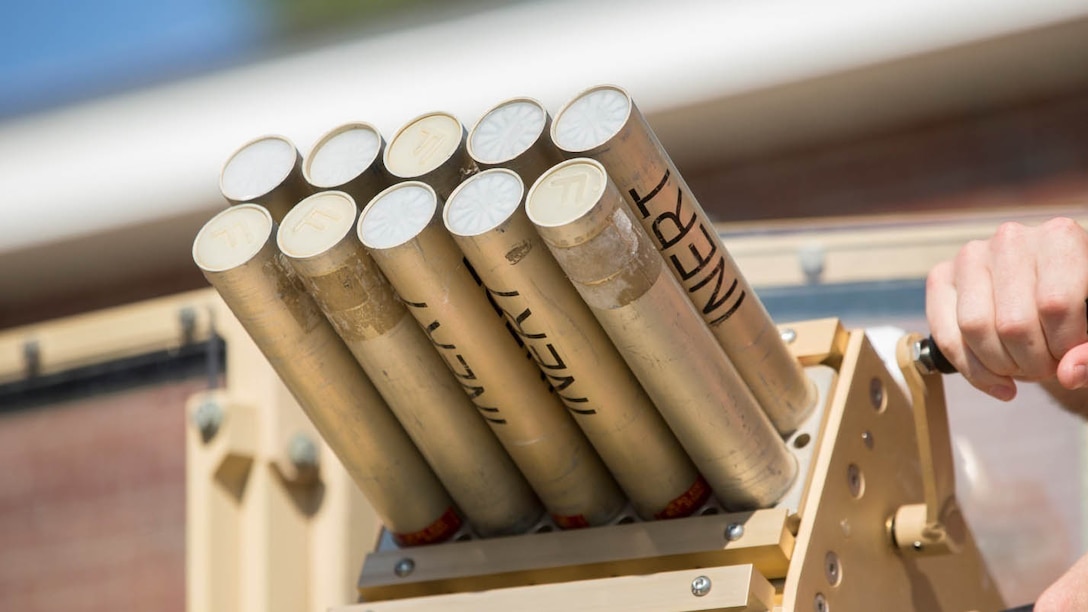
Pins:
x: 318, y: 241
x: 866, y: 467
x: 348, y: 158
x: 935, y: 526
x: 733, y: 588
x: 266, y: 171
x: 604, y: 123
x: 154, y: 325
x: 403, y: 232
x: 618, y: 272
x: 430, y: 148
x: 836, y: 553
x: 263, y: 535
x: 565, y: 556
x: 238, y: 255
x: 546, y: 313
x: 515, y: 134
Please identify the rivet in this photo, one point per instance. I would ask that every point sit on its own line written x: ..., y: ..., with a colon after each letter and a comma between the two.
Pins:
x: 876, y: 393
x: 404, y: 567
x: 207, y: 418
x: 832, y: 568
x: 700, y: 586
x: 734, y: 532
x: 302, y: 451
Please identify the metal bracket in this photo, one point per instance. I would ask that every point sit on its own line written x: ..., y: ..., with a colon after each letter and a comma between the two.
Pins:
x: 936, y: 526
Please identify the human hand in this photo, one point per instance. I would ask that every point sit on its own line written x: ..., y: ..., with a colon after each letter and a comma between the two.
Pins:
x: 1069, y: 593
x: 1013, y: 307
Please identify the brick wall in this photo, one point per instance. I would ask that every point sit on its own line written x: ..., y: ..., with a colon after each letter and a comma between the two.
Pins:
x: 92, y: 503
x: 1032, y: 154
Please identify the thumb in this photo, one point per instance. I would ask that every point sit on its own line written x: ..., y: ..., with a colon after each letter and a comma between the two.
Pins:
x: 1073, y: 368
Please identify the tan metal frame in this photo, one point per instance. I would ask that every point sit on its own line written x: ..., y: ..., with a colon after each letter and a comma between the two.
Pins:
x: 258, y: 540
x: 836, y: 553
x: 267, y: 529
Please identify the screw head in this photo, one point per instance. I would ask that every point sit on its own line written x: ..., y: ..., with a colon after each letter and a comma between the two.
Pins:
x: 734, y: 531
x: 876, y: 393
x: 788, y: 335
x: 855, y: 480
x: 832, y: 568
x: 700, y: 586
x: 404, y: 567
x: 207, y: 418
x: 32, y: 358
x: 302, y: 451
x: 812, y: 257
x: 867, y: 438
x: 187, y: 320
x: 819, y: 603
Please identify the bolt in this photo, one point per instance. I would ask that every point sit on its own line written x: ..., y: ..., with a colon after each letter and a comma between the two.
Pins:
x: 700, y: 586
x: 404, y: 567
x: 32, y: 358
x: 820, y: 603
x: 867, y: 438
x: 812, y: 258
x: 207, y: 418
x: 302, y: 451
x: 187, y: 320
x: 854, y: 480
x: 734, y: 531
x: 917, y: 546
x: 876, y: 393
x: 788, y: 335
x: 832, y: 569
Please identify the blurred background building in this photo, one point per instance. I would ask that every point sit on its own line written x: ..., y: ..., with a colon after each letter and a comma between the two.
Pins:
x: 854, y: 136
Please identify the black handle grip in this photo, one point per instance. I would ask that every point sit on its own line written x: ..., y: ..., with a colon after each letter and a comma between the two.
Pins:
x: 931, y: 356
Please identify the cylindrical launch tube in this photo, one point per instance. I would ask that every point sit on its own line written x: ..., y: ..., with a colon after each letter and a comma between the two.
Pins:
x: 265, y: 171
x: 515, y: 134
x: 604, y: 123
x: 318, y: 241
x: 618, y: 272
x: 348, y: 158
x: 430, y: 148
x: 407, y: 240
x: 236, y: 249
x: 486, y: 218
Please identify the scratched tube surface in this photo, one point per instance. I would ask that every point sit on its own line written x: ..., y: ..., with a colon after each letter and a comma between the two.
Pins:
x: 604, y: 123
x: 265, y: 171
x: 348, y: 158
x: 621, y: 276
x: 430, y: 148
x: 318, y: 241
x: 237, y: 252
x: 487, y: 220
x: 516, y: 135
x: 404, y: 234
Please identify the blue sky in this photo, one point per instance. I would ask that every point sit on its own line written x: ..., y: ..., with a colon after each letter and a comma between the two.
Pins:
x: 58, y: 51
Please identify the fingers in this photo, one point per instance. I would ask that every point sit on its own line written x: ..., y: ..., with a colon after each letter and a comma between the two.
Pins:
x: 976, y: 307
x: 1062, y: 285
x: 1016, y: 344
x: 941, y: 312
x: 1014, y: 306
x: 1073, y: 369
x: 1070, y: 592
